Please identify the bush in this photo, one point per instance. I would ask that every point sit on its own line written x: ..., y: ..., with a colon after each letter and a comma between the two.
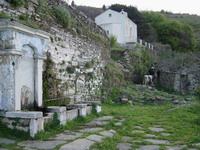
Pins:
x: 89, y: 64
x: 16, y: 3
x: 180, y: 36
x: 55, y: 122
x: 62, y: 16
x: 71, y: 69
x: 197, y: 91
x: 113, y: 41
x: 25, y: 19
x: 42, y: 2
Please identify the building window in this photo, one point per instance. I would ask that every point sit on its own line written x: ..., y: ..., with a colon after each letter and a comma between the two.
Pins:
x: 110, y: 15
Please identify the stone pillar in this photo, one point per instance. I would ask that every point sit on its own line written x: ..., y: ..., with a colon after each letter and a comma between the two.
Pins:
x: 149, y: 45
x: 192, y: 83
x: 140, y: 41
x: 38, y: 79
x: 152, y: 47
x: 177, y: 83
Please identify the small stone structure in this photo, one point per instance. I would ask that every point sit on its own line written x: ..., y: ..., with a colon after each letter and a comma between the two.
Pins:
x: 184, y: 81
x: 22, y: 52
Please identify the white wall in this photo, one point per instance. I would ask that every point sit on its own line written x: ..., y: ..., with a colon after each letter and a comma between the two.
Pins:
x: 130, y: 31
x: 114, y: 24
x: 119, y: 25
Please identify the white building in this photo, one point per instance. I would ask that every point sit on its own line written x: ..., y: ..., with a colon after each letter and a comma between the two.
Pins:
x: 118, y: 24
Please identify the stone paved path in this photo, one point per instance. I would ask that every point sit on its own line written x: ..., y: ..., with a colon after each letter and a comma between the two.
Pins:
x: 94, y: 132
x: 6, y: 141
x: 154, y: 140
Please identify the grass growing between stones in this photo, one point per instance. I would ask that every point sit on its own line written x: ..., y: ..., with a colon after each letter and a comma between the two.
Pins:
x: 15, y: 134
x: 183, y: 124
x: 70, y: 125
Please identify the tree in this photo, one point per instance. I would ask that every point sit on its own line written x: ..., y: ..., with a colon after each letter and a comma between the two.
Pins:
x: 178, y: 35
x: 73, y: 4
x: 104, y: 7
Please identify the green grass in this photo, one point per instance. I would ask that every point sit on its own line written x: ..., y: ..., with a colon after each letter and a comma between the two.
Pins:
x: 3, y: 15
x: 13, y: 133
x: 181, y: 123
x: 117, y: 49
x: 70, y: 125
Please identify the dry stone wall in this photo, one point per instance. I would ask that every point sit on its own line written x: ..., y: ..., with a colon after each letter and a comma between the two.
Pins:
x: 79, y: 60
x: 79, y: 65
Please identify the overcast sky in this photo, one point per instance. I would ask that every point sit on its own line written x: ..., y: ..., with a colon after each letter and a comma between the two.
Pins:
x: 176, y: 6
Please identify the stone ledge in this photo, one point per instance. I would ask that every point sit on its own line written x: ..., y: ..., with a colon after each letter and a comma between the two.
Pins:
x: 11, y: 52
x: 92, y: 102
x: 81, y: 105
x: 24, y: 115
x: 13, y: 25
x: 2, y: 114
x: 57, y: 109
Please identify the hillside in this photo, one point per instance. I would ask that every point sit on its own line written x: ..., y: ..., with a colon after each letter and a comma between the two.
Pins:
x: 193, y: 20
x: 90, y: 12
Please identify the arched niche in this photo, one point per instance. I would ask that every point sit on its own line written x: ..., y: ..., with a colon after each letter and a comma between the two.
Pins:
x: 25, y: 77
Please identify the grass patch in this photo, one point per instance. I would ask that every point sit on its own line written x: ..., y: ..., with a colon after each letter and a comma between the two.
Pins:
x: 117, y: 49
x: 3, y: 15
x: 180, y: 123
x: 13, y: 133
x: 53, y: 128
x: 113, y: 41
x: 26, y: 20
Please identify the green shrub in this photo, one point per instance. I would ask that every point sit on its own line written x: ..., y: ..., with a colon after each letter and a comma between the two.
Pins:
x: 89, y: 64
x: 90, y: 75
x: 55, y: 122
x: 62, y: 16
x: 25, y: 19
x: 71, y: 69
x: 197, y: 91
x: 113, y: 41
x: 16, y: 3
x: 42, y: 2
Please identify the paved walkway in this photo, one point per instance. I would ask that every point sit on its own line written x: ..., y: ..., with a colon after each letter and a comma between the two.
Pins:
x: 95, y: 132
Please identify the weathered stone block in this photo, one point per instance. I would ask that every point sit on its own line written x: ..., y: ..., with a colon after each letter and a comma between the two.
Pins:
x: 27, y: 115
x: 71, y: 114
x: 88, y: 109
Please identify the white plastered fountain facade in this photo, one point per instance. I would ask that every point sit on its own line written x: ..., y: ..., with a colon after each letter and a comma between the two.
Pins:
x: 22, y: 52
